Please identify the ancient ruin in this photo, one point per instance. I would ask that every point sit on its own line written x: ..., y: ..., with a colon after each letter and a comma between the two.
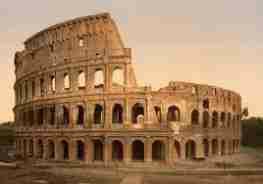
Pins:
x: 77, y: 100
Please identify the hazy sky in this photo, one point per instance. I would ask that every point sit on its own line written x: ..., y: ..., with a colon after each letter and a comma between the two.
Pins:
x: 217, y: 42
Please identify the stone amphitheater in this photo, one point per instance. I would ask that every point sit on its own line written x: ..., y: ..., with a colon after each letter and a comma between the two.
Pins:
x: 77, y: 99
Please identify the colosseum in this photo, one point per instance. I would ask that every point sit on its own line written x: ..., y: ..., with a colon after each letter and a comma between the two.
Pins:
x: 77, y: 100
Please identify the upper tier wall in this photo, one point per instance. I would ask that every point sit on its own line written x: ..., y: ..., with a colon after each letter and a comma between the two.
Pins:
x: 85, y: 38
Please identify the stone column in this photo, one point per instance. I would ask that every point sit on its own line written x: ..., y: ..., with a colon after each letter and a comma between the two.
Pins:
x: 148, y: 150
x: 72, y: 150
x: 88, y: 150
x: 45, y: 149
x: 57, y: 150
x: 199, y: 149
x: 106, y: 145
x: 169, y: 150
x: 127, y: 151
x: 107, y: 115
x: 182, y: 146
x: 72, y: 117
x: 127, y: 116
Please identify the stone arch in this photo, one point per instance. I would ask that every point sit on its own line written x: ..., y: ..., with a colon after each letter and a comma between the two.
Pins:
x: 223, y: 118
x: 229, y: 118
x: 158, y: 151
x: 206, y: 118
x: 66, y: 81
x: 206, y: 103
x: 137, y: 111
x: 158, y: 113
x: 24, y: 147
x: 40, y: 149
x: 98, y: 114
x: 223, y: 147
x: 65, y: 116
x: 64, y: 150
x: 138, y: 150
x: 177, y: 149
x: 80, y: 115
x: 98, y: 150
x: 81, y: 79
x: 117, y: 114
x: 80, y: 145
x: 31, y: 148
x: 215, y: 119
x: 215, y: 147
x: 51, y: 149
x: 117, y: 76
x: 99, y: 78
x: 190, y: 149
x: 206, y: 147
x: 195, y: 117
x: 173, y: 114
x: 117, y: 150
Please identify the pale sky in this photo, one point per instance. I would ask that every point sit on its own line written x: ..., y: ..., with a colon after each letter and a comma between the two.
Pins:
x: 217, y: 42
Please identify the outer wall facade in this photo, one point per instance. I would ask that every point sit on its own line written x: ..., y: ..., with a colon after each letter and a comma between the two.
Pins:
x: 77, y: 100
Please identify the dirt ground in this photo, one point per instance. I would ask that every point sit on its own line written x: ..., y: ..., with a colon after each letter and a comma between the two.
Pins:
x: 26, y: 173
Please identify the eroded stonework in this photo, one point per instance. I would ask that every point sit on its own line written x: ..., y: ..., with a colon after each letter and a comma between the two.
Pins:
x: 77, y: 99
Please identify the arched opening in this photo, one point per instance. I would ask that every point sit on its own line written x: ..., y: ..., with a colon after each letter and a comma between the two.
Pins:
x: 177, y: 149
x: 223, y: 147
x: 206, y: 103
x: 31, y: 148
x: 158, y: 113
x: 206, y: 118
x: 195, y: 117
x: 65, y: 116
x: 223, y: 118
x: 138, y: 150
x: 80, y: 119
x: 81, y: 79
x: 206, y: 147
x: 99, y: 79
x: 40, y: 149
x: 215, y: 147
x: 190, y: 149
x: 40, y: 116
x: 64, y: 150
x: 137, y: 110
x: 229, y: 117
x: 51, y: 149
x: 158, y: 151
x: 214, y: 119
x: 80, y: 150
x: 24, y: 148
x: 42, y: 87
x: 117, y: 151
x: 98, y: 114
x: 117, y: 113
x: 117, y: 77
x: 53, y: 83
x: 98, y: 150
x: 230, y: 150
x: 66, y: 81
x: 173, y: 114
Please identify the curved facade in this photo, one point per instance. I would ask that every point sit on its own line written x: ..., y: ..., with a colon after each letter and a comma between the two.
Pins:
x: 77, y: 99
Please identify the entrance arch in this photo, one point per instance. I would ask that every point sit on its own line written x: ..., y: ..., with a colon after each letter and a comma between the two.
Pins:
x: 117, y: 151
x: 223, y: 147
x: 158, y: 151
x: 51, y: 149
x: 98, y: 150
x: 206, y: 147
x: 177, y: 149
x: 80, y: 150
x: 190, y: 149
x: 64, y: 150
x: 138, y: 150
x: 215, y: 147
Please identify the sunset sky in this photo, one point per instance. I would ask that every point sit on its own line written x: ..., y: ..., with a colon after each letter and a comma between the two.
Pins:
x: 217, y: 42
